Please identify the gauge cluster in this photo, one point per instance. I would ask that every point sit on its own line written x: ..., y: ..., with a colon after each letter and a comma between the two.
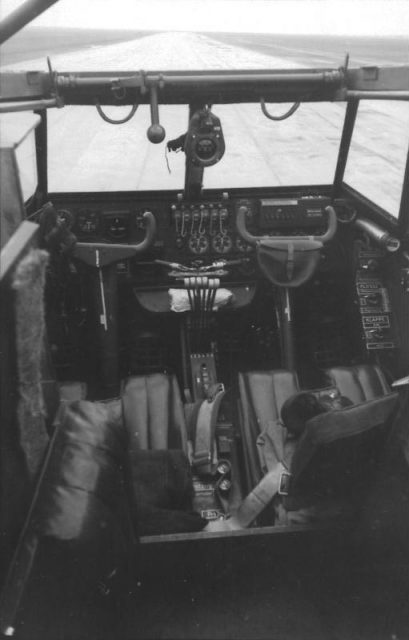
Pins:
x: 202, y: 228
x: 188, y: 231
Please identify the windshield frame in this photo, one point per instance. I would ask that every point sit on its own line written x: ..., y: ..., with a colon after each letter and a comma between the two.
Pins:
x: 238, y: 86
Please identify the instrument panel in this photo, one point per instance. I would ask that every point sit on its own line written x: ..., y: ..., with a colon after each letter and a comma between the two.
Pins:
x: 189, y: 231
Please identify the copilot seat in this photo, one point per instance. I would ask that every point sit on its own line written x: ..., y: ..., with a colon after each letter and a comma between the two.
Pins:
x: 327, y: 468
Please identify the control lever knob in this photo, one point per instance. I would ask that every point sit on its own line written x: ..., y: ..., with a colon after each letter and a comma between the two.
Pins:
x: 156, y: 133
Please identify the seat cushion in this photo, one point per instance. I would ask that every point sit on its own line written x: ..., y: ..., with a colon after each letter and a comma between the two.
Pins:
x: 161, y: 493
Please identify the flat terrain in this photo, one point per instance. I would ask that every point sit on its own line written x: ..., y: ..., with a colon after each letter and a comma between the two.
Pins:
x: 324, y: 50
x: 42, y: 41
x: 303, y: 49
x: 86, y: 153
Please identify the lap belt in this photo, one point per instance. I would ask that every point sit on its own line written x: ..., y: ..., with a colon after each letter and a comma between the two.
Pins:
x: 275, y: 482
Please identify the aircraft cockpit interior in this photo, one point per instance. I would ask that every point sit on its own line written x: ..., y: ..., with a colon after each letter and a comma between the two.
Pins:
x: 198, y: 350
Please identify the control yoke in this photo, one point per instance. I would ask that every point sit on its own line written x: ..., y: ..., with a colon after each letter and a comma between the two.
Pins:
x: 253, y: 240
x: 287, y: 261
x: 100, y: 254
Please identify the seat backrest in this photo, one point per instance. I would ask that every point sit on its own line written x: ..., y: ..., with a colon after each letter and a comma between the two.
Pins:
x: 153, y: 412
x: 358, y: 383
x: 262, y: 395
x: 157, y: 468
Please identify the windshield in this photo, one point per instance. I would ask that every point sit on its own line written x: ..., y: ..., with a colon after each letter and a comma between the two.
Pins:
x: 379, y: 148
x: 87, y: 154
x: 300, y: 150
x: 17, y: 135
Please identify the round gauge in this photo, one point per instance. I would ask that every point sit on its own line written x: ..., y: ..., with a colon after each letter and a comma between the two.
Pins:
x: 222, y: 243
x: 346, y: 213
x: 66, y: 216
x: 88, y: 222
x: 243, y: 246
x: 205, y: 148
x: 198, y: 243
x: 116, y: 226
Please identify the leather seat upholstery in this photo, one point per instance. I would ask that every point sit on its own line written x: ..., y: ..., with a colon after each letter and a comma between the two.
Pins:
x: 358, y: 383
x: 153, y: 412
x: 263, y: 394
x: 338, y: 453
x: 157, y: 467
x: 338, y: 450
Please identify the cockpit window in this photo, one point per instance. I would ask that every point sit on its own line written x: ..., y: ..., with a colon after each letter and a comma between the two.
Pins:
x: 27, y: 165
x: 376, y: 161
x: 300, y: 150
x: 88, y: 154
x: 85, y: 153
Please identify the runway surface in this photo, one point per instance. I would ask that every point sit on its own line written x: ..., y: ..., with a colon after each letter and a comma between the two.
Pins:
x: 86, y: 153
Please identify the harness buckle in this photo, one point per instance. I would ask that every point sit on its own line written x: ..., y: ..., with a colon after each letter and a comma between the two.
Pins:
x: 284, y: 485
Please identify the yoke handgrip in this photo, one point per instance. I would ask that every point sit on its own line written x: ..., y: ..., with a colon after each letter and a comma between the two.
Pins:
x: 100, y: 254
x: 254, y: 240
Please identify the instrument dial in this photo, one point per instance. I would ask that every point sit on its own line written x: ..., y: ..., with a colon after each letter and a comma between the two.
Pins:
x: 198, y: 243
x: 88, y: 222
x: 116, y: 227
x: 222, y: 243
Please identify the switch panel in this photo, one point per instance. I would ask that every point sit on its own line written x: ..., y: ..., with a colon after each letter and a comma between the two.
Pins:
x: 373, y: 299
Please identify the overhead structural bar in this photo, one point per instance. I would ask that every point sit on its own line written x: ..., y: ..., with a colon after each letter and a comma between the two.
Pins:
x: 74, y: 80
x: 377, y: 95
x: 24, y: 14
x: 208, y: 87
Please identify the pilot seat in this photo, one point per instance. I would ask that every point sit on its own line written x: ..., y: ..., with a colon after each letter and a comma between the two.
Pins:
x: 324, y: 468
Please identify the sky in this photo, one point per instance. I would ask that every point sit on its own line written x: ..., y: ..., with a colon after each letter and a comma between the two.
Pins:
x: 352, y: 17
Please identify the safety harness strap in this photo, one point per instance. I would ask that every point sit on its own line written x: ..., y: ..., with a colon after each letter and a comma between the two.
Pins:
x: 274, y: 482
x: 205, y: 433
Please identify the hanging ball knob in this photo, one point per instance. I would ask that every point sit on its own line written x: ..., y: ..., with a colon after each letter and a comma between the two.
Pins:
x: 156, y: 133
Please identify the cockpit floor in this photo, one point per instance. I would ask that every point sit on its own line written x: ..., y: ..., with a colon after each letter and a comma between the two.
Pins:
x: 259, y: 595
x: 283, y: 605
